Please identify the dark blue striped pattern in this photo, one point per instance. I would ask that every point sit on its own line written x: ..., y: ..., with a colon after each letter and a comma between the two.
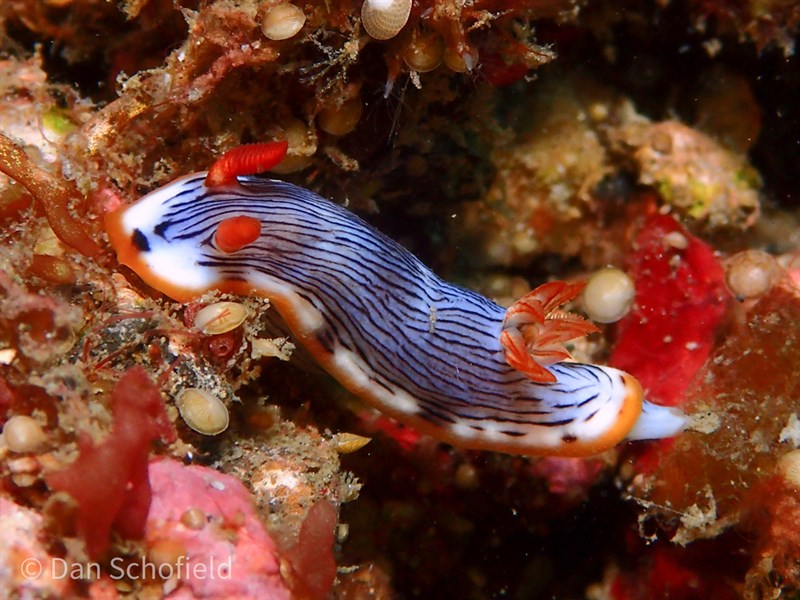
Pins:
x: 415, y: 332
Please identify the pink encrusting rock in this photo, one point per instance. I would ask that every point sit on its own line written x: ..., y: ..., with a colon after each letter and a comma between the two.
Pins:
x: 208, y: 520
x: 27, y: 570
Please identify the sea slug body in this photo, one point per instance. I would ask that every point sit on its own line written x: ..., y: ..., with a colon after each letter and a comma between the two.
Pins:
x: 425, y: 351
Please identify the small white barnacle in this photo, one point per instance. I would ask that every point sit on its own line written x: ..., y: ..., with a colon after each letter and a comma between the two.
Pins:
x: 283, y: 21
x: 203, y: 412
x: 383, y: 19
x: 220, y: 317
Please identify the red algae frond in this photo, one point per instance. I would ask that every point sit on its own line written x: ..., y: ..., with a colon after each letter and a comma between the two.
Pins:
x: 109, y: 480
x: 311, y: 559
x: 680, y: 301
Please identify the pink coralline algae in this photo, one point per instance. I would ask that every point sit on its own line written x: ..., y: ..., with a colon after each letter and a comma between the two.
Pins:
x: 680, y: 301
x: 219, y: 547
x: 20, y: 549
x: 109, y: 480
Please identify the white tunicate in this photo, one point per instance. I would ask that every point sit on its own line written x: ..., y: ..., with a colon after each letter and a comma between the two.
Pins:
x: 202, y: 411
x: 23, y: 434
x: 220, y: 317
x: 283, y: 21
x: 608, y: 295
x: 750, y: 273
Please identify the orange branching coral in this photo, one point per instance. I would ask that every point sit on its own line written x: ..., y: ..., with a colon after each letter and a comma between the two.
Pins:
x: 52, y: 194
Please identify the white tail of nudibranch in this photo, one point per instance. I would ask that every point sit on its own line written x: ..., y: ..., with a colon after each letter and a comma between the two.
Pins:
x: 656, y: 422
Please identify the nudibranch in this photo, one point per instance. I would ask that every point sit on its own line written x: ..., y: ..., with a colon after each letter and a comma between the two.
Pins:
x: 431, y: 354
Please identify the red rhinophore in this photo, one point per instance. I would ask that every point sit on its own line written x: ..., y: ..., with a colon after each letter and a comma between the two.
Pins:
x: 235, y: 233
x: 246, y: 160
